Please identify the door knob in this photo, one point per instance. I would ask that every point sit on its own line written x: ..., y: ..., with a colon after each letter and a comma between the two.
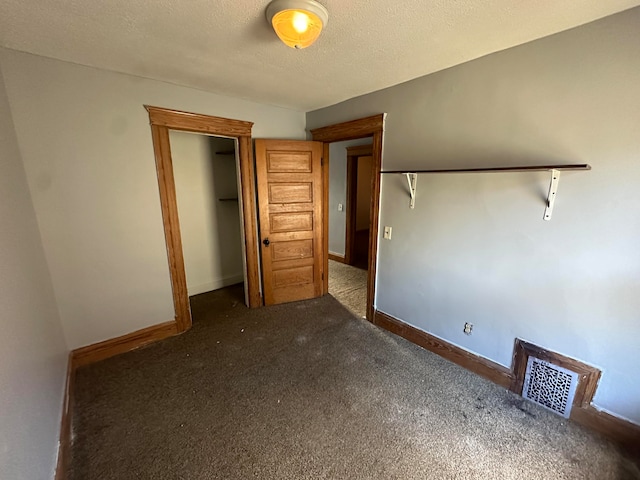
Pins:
x: 266, y: 242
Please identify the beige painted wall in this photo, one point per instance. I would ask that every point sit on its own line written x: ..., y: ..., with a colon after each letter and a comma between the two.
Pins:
x: 475, y: 248
x: 210, y: 228
x: 33, y: 354
x: 86, y: 145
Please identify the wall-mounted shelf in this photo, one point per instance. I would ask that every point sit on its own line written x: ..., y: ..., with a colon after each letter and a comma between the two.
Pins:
x: 235, y: 199
x: 412, y: 178
x: 541, y: 168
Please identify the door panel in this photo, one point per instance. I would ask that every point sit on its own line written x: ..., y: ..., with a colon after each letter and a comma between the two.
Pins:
x: 289, y: 175
x: 293, y: 276
x: 291, y: 222
x: 291, y: 250
x: 291, y: 193
x: 290, y: 162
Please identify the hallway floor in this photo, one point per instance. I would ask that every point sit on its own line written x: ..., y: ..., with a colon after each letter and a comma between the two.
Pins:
x: 348, y: 285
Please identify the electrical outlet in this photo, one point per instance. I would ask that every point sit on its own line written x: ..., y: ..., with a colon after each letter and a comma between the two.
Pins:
x: 387, y: 233
x: 468, y: 327
x: 339, y: 207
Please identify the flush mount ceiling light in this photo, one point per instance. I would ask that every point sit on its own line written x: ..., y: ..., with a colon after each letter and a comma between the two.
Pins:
x: 297, y: 23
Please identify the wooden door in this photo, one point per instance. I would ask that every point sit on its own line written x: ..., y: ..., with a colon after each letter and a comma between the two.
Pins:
x: 289, y: 175
x: 359, y: 191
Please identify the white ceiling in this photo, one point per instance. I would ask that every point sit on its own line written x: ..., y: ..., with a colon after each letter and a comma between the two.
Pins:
x: 227, y: 47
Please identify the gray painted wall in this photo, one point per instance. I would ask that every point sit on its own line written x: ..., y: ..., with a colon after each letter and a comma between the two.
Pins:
x: 33, y: 354
x: 476, y: 248
x: 338, y: 193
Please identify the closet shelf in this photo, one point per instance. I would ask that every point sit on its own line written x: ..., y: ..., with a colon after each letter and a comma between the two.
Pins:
x: 226, y: 152
x: 234, y: 199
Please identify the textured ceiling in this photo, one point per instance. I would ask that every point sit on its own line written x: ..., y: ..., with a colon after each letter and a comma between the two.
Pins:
x: 227, y: 47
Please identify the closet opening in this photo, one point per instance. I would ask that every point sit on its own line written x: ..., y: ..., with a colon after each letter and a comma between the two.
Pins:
x: 207, y: 185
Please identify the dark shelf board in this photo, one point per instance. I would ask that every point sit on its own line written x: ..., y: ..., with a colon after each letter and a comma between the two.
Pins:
x: 226, y: 152
x: 535, y: 168
x: 235, y: 199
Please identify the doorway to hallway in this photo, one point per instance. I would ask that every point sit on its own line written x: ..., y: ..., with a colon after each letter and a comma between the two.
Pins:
x: 350, y: 184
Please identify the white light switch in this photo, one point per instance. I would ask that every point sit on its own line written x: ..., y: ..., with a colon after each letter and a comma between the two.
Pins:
x: 339, y: 207
x: 387, y: 233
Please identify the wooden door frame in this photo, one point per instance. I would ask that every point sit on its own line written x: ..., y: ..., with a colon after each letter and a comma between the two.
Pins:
x: 162, y: 120
x: 365, y: 127
x: 353, y: 154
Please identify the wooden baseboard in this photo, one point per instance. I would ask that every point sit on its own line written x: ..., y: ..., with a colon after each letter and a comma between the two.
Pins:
x: 621, y: 431
x: 479, y: 365
x: 337, y: 258
x: 109, y: 348
x: 625, y: 433
x: 94, y: 353
x: 64, y: 445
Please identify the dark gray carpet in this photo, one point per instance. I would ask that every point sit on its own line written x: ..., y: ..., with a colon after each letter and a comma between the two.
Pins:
x: 307, y: 391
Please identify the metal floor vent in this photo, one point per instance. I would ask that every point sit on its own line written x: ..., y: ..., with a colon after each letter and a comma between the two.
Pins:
x: 549, y: 385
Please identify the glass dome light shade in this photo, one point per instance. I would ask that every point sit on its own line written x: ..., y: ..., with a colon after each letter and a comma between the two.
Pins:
x: 297, y: 23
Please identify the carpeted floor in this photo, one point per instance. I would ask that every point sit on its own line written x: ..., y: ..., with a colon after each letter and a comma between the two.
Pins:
x: 349, y: 286
x: 308, y: 391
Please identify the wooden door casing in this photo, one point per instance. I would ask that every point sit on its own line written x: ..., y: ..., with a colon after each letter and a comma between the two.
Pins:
x: 364, y: 127
x: 289, y: 178
x: 162, y: 120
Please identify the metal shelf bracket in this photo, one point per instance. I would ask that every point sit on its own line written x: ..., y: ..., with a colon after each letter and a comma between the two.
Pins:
x: 551, y: 196
x: 412, y: 179
x: 555, y: 170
